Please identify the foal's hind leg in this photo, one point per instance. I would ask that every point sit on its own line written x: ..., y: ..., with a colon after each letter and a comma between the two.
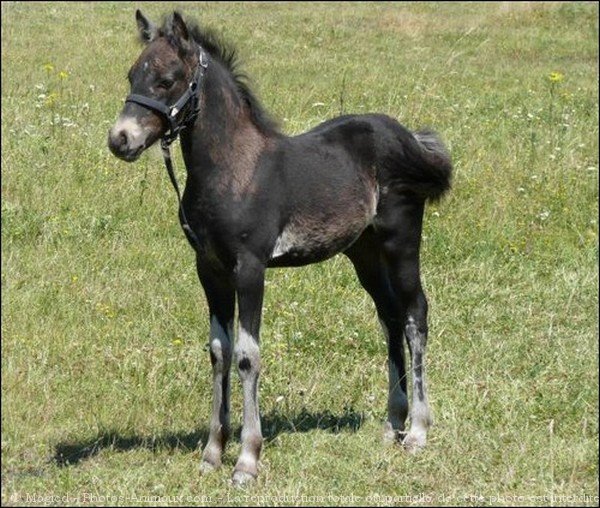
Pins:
x: 367, y: 257
x: 399, y: 225
x: 221, y: 302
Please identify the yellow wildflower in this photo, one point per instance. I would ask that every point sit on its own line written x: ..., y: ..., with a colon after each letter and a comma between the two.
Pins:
x: 51, y: 99
x: 556, y: 77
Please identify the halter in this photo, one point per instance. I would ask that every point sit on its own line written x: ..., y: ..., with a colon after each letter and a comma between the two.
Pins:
x: 176, y: 126
x: 170, y: 112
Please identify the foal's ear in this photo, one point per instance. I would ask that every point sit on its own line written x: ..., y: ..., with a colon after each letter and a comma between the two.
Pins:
x: 147, y: 29
x: 180, y: 31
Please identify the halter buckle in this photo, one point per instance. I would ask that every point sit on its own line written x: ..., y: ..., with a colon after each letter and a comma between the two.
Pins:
x: 202, y: 60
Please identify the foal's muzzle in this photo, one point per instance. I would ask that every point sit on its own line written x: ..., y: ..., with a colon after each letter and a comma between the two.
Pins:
x: 120, y: 146
x: 127, y: 139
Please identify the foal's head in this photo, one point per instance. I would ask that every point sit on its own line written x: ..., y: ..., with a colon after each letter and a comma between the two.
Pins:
x: 162, y: 73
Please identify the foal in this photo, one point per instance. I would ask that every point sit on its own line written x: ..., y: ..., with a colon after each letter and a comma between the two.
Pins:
x: 255, y: 198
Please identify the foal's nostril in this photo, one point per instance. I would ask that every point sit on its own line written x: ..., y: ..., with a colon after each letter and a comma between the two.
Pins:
x: 122, y: 138
x: 117, y: 141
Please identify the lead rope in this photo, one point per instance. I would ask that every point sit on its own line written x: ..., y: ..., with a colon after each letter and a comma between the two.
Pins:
x: 164, y: 145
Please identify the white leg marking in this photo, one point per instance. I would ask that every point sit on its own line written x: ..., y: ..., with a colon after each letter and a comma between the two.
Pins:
x: 220, y: 348
x: 218, y: 338
x: 247, y: 355
x: 420, y: 415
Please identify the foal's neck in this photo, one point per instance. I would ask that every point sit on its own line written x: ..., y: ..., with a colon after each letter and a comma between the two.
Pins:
x: 225, y: 144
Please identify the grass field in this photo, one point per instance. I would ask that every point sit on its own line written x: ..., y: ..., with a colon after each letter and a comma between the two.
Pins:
x: 105, y: 368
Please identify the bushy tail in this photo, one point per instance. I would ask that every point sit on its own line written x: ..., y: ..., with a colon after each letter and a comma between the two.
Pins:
x: 428, y: 168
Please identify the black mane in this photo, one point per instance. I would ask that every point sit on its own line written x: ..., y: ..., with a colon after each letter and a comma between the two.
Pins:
x: 226, y: 54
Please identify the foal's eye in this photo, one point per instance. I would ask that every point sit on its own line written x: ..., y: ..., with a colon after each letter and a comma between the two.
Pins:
x: 166, y: 84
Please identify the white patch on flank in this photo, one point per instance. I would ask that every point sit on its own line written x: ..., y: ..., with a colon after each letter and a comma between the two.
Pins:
x: 307, y: 234
x: 374, y: 203
x: 284, y: 243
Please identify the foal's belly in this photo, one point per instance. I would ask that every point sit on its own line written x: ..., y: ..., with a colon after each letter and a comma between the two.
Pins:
x: 297, y: 247
x: 314, y: 236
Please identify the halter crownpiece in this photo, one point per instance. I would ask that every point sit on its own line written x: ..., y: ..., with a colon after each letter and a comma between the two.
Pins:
x: 170, y: 112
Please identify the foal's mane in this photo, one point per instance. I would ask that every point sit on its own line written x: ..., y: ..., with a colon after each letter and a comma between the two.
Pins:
x: 226, y: 54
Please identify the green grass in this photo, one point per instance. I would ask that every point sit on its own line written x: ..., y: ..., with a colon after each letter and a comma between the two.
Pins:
x: 105, y: 369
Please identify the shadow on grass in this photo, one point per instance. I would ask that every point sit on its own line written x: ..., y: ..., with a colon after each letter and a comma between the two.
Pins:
x: 277, y: 423
x: 70, y: 453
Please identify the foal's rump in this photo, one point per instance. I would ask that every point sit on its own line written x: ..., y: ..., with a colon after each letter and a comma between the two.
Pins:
x: 417, y: 163
x: 377, y: 144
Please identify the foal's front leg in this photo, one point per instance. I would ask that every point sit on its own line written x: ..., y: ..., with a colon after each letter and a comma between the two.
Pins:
x: 250, y: 275
x: 220, y: 295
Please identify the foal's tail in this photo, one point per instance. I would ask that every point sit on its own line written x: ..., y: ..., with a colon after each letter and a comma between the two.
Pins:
x: 427, y: 168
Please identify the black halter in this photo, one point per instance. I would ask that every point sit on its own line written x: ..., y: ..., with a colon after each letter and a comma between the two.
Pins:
x: 170, y: 113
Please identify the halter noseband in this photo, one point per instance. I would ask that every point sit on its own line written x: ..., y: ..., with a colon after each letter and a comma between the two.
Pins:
x: 175, y: 126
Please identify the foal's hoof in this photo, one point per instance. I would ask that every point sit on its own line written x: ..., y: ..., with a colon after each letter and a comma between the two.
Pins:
x: 414, y: 442
x: 207, y: 467
x: 392, y: 436
x: 242, y: 478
